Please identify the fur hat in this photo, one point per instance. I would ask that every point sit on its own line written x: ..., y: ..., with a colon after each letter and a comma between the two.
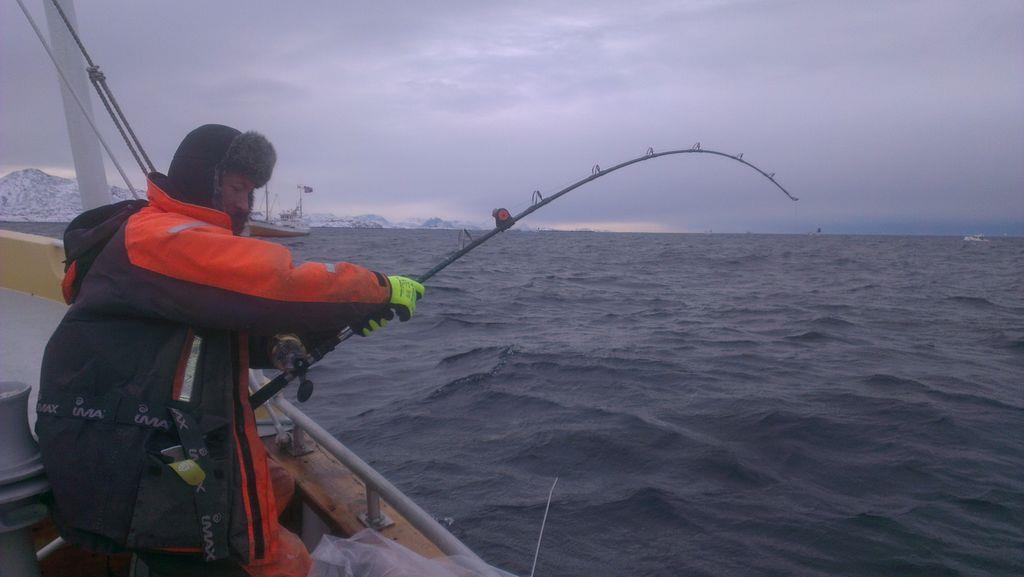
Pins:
x: 251, y: 154
x: 211, y: 150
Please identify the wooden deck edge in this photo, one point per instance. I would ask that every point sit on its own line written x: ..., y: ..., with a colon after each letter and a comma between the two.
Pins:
x: 337, y: 496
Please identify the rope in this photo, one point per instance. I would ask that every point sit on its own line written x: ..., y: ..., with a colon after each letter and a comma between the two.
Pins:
x: 117, y: 107
x: 99, y: 82
x: 78, y: 101
x: 117, y: 122
x: 74, y: 34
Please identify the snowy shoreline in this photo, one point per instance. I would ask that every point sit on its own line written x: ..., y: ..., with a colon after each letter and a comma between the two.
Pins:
x: 31, y: 195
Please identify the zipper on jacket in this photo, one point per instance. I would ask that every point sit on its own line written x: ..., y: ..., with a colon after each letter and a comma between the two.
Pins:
x: 259, y: 542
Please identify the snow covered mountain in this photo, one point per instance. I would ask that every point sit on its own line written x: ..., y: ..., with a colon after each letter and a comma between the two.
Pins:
x: 327, y: 219
x: 331, y: 220
x: 438, y: 223
x: 31, y: 195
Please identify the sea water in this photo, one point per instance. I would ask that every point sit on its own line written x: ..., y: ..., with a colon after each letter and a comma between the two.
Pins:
x: 712, y: 404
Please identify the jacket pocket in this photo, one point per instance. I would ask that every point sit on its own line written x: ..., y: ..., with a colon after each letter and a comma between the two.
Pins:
x: 79, y: 488
x: 165, y: 514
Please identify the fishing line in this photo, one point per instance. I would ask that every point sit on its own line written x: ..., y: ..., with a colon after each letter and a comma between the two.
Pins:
x: 503, y: 220
x: 542, y: 523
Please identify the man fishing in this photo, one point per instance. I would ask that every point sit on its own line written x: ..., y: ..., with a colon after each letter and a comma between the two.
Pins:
x: 145, y: 426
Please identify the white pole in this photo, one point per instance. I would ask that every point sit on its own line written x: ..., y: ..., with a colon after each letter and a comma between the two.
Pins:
x: 85, y: 148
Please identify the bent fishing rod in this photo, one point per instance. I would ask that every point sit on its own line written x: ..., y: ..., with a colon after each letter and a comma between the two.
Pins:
x: 503, y: 220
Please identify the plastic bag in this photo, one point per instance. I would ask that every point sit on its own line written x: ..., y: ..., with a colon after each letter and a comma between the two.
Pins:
x: 368, y: 554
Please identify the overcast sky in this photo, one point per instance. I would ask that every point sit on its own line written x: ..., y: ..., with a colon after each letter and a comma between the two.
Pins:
x: 880, y: 115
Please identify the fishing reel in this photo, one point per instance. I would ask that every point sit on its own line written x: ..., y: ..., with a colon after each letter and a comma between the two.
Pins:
x: 300, y: 366
x: 503, y: 218
x: 290, y: 356
x: 305, y: 390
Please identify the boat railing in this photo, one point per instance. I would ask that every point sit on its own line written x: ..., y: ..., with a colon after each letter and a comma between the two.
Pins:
x: 377, y: 487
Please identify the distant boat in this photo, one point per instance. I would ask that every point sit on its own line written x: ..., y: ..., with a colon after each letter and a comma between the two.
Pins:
x: 288, y: 224
x: 975, y: 238
x: 275, y: 229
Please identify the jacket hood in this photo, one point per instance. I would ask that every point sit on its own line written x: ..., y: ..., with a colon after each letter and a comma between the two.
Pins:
x: 161, y: 195
x: 211, y: 150
x: 91, y: 230
x: 85, y: 238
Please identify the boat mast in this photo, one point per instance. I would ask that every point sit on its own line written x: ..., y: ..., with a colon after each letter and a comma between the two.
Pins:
x: 85, y: 147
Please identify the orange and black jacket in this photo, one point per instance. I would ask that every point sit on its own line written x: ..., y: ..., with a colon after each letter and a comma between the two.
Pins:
x: 149, y: 367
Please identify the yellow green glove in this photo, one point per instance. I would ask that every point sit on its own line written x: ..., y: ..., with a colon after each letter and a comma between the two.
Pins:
x: 404, y: 294
x: 373, y: 322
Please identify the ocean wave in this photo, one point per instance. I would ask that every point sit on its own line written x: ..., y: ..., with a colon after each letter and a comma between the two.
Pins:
x: 1011, y: 339
x: 499, y: 352
x: 973, y: 301
x: 728, y: 343
x: 992, y: 505
x: 595, y: 452
x: 650, y: 503
x: 458, y: 385
x: 821, y: 336
x: 832, y: 321
x: 949, y: 398
x: 892, y: 381
x: 451, y: 322
x: 813, y: 337
x: 725, y: 468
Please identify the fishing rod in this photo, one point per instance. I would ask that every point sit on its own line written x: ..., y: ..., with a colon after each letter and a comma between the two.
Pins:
x: 503, y: 220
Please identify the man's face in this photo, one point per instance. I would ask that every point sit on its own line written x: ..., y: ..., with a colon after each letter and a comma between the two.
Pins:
x: 235, y: 194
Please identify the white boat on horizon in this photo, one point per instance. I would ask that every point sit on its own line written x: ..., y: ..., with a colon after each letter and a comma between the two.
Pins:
x: 289, y: 223
x: 976, y: 238
x: 281, y: 228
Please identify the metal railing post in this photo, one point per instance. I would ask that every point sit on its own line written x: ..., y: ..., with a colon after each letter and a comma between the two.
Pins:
x: 49, y: 548
x: 374, y: 517
x: 299, y: 442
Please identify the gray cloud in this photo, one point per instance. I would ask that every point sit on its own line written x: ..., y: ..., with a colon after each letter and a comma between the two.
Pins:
x: 871, y: 112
